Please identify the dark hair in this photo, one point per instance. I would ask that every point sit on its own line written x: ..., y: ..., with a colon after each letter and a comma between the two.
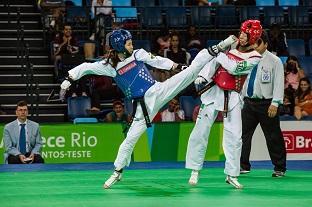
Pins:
x: 21, y: 103
x: 264, y: 37
x: 301, y: 94
x: 113, y: 56
x: 117, y: 102
x: 292, y: 68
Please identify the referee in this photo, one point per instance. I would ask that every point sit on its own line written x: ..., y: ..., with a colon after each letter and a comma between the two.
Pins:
x: 263, y: 92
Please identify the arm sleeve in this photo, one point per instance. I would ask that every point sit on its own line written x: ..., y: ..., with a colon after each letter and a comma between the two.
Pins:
x: 96, y: 68
x: 278, y: 83
x: 10, y: 149
x: 38, y: 145
x: 208, y: 70
x: 237, y: 67
x: 155, y: 61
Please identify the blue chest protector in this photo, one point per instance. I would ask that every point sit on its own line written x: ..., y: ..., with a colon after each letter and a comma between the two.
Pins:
x: 134, y: 79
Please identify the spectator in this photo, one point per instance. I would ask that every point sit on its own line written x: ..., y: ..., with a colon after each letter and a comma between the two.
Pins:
x: 303, y: 100
x: 293, y: 72
x: 63, y: 44
x: 79, y: 88
x: 173, y: 112
x: 162, y: 41
x: 101, y: 88
x: 22, y: 138
x: 193, y: 40
x: 287, y: 108
x: 118, y: 114
x: 103, y: 17
x: 277, y: 41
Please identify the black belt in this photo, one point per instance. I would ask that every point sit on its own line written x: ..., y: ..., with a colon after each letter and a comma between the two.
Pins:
x: 144, y: 110
x: 258, y: 100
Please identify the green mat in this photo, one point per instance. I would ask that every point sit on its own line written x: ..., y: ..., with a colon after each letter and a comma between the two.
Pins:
x: 153, y: 188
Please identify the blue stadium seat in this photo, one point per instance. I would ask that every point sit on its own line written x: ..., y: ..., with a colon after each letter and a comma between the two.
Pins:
x: 265, y: 2
x: 283, y: 59
x: 249, y: 12
x: 226, y: 16
x: 144, y: 3
x: 176, y: 17
x: 212, y: 42
x: 85, y: 120
x: 77, y: 106
x: 310, y: 47
x: 273, y: 14
x: 124, y: 13
x: 145, y: 44
x: 75, y: 2
x: 296, y: 47
x: 306, y: 63
x: 151, y: 17
x: 288, y: 2
x: 187, y: 104
x: 201, y: 16
x: 169, y: 3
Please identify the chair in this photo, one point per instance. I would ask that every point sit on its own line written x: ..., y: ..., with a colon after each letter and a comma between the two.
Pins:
x: 151, y: 17
x: 144, y: 3
x: 296, y: 47
x: 310, y: 46
x: 226, y: 16
x: 288, y: 2
x: 145, y: 44
x: 169, y: 2
x: 187, y: 104
x: 75, y: 2
x: 212, y: 42
x: 201, y: 16
x: 77, y: 106
x: 176, y: 17
x: 274, y: 14
x: 306, y: 63
x: 283, y: 59
x: 265, y: 2
x: 124, y: 13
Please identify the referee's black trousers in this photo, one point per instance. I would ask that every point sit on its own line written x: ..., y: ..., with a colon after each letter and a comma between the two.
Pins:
x: 255, y: 112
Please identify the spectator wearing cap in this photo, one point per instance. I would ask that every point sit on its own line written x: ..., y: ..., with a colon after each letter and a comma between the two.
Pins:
x: 118, y: 114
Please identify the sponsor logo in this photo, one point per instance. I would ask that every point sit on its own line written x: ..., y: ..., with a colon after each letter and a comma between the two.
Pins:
x: 298, y: 141
x: 126, y: 68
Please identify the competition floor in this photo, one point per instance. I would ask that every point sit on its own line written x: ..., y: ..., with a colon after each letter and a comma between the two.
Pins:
x: 152, y: 185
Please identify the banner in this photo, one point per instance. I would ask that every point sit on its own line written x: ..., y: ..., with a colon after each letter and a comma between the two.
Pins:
x: 70, y: 143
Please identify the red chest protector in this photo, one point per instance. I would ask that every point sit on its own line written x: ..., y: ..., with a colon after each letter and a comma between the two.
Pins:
x: 227, y: 81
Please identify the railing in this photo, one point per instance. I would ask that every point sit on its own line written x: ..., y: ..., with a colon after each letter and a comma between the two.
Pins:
x: 23, y: 53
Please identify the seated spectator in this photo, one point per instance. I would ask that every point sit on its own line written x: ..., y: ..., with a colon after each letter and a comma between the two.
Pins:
x: 101, y: 88
x: 79, y: 88
x: 63, y: 44
x: 193, y: 40
x: 303, y: 100
x: 277, y: 41
x: 103, y: 17
x: 173, y: 112
x: 293, y: 72
x: 288, y: 106
x: 162, y: 42
x: 118, y: 114
x: 22, y: 138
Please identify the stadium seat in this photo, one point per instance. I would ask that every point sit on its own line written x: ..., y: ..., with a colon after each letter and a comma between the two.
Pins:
x: 77, y: 107
x: 265, y: 2
x: 85, y: 120
x: 176, y: 17
x: 151, y: 17
x: 226, y: 16
x: 274, y: 14
x: 288, y: 2
x: 74, y: 2
x: 145, y: 44
x: 310, y: 47
x: 187, y: 104
x: 283, y: 59
x: 169, y: 3
x: 296, y: 47
x: 250, y: 12
x: 201, y: 16
x: 144, y: 3
x: 306, y: 63
x: 212, y: 42
x: 124, y: 13
x: 302, y: 16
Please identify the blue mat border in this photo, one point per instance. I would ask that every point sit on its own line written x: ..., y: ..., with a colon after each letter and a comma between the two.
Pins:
x: 291, y: 165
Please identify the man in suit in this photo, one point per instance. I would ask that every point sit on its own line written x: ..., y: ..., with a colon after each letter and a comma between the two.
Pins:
x: 22, y: 138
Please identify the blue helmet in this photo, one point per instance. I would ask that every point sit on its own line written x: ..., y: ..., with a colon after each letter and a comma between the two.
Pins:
x: 118, y: 39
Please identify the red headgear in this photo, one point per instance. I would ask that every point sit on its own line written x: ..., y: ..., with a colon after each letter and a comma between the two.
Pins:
x: 253, y: 28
